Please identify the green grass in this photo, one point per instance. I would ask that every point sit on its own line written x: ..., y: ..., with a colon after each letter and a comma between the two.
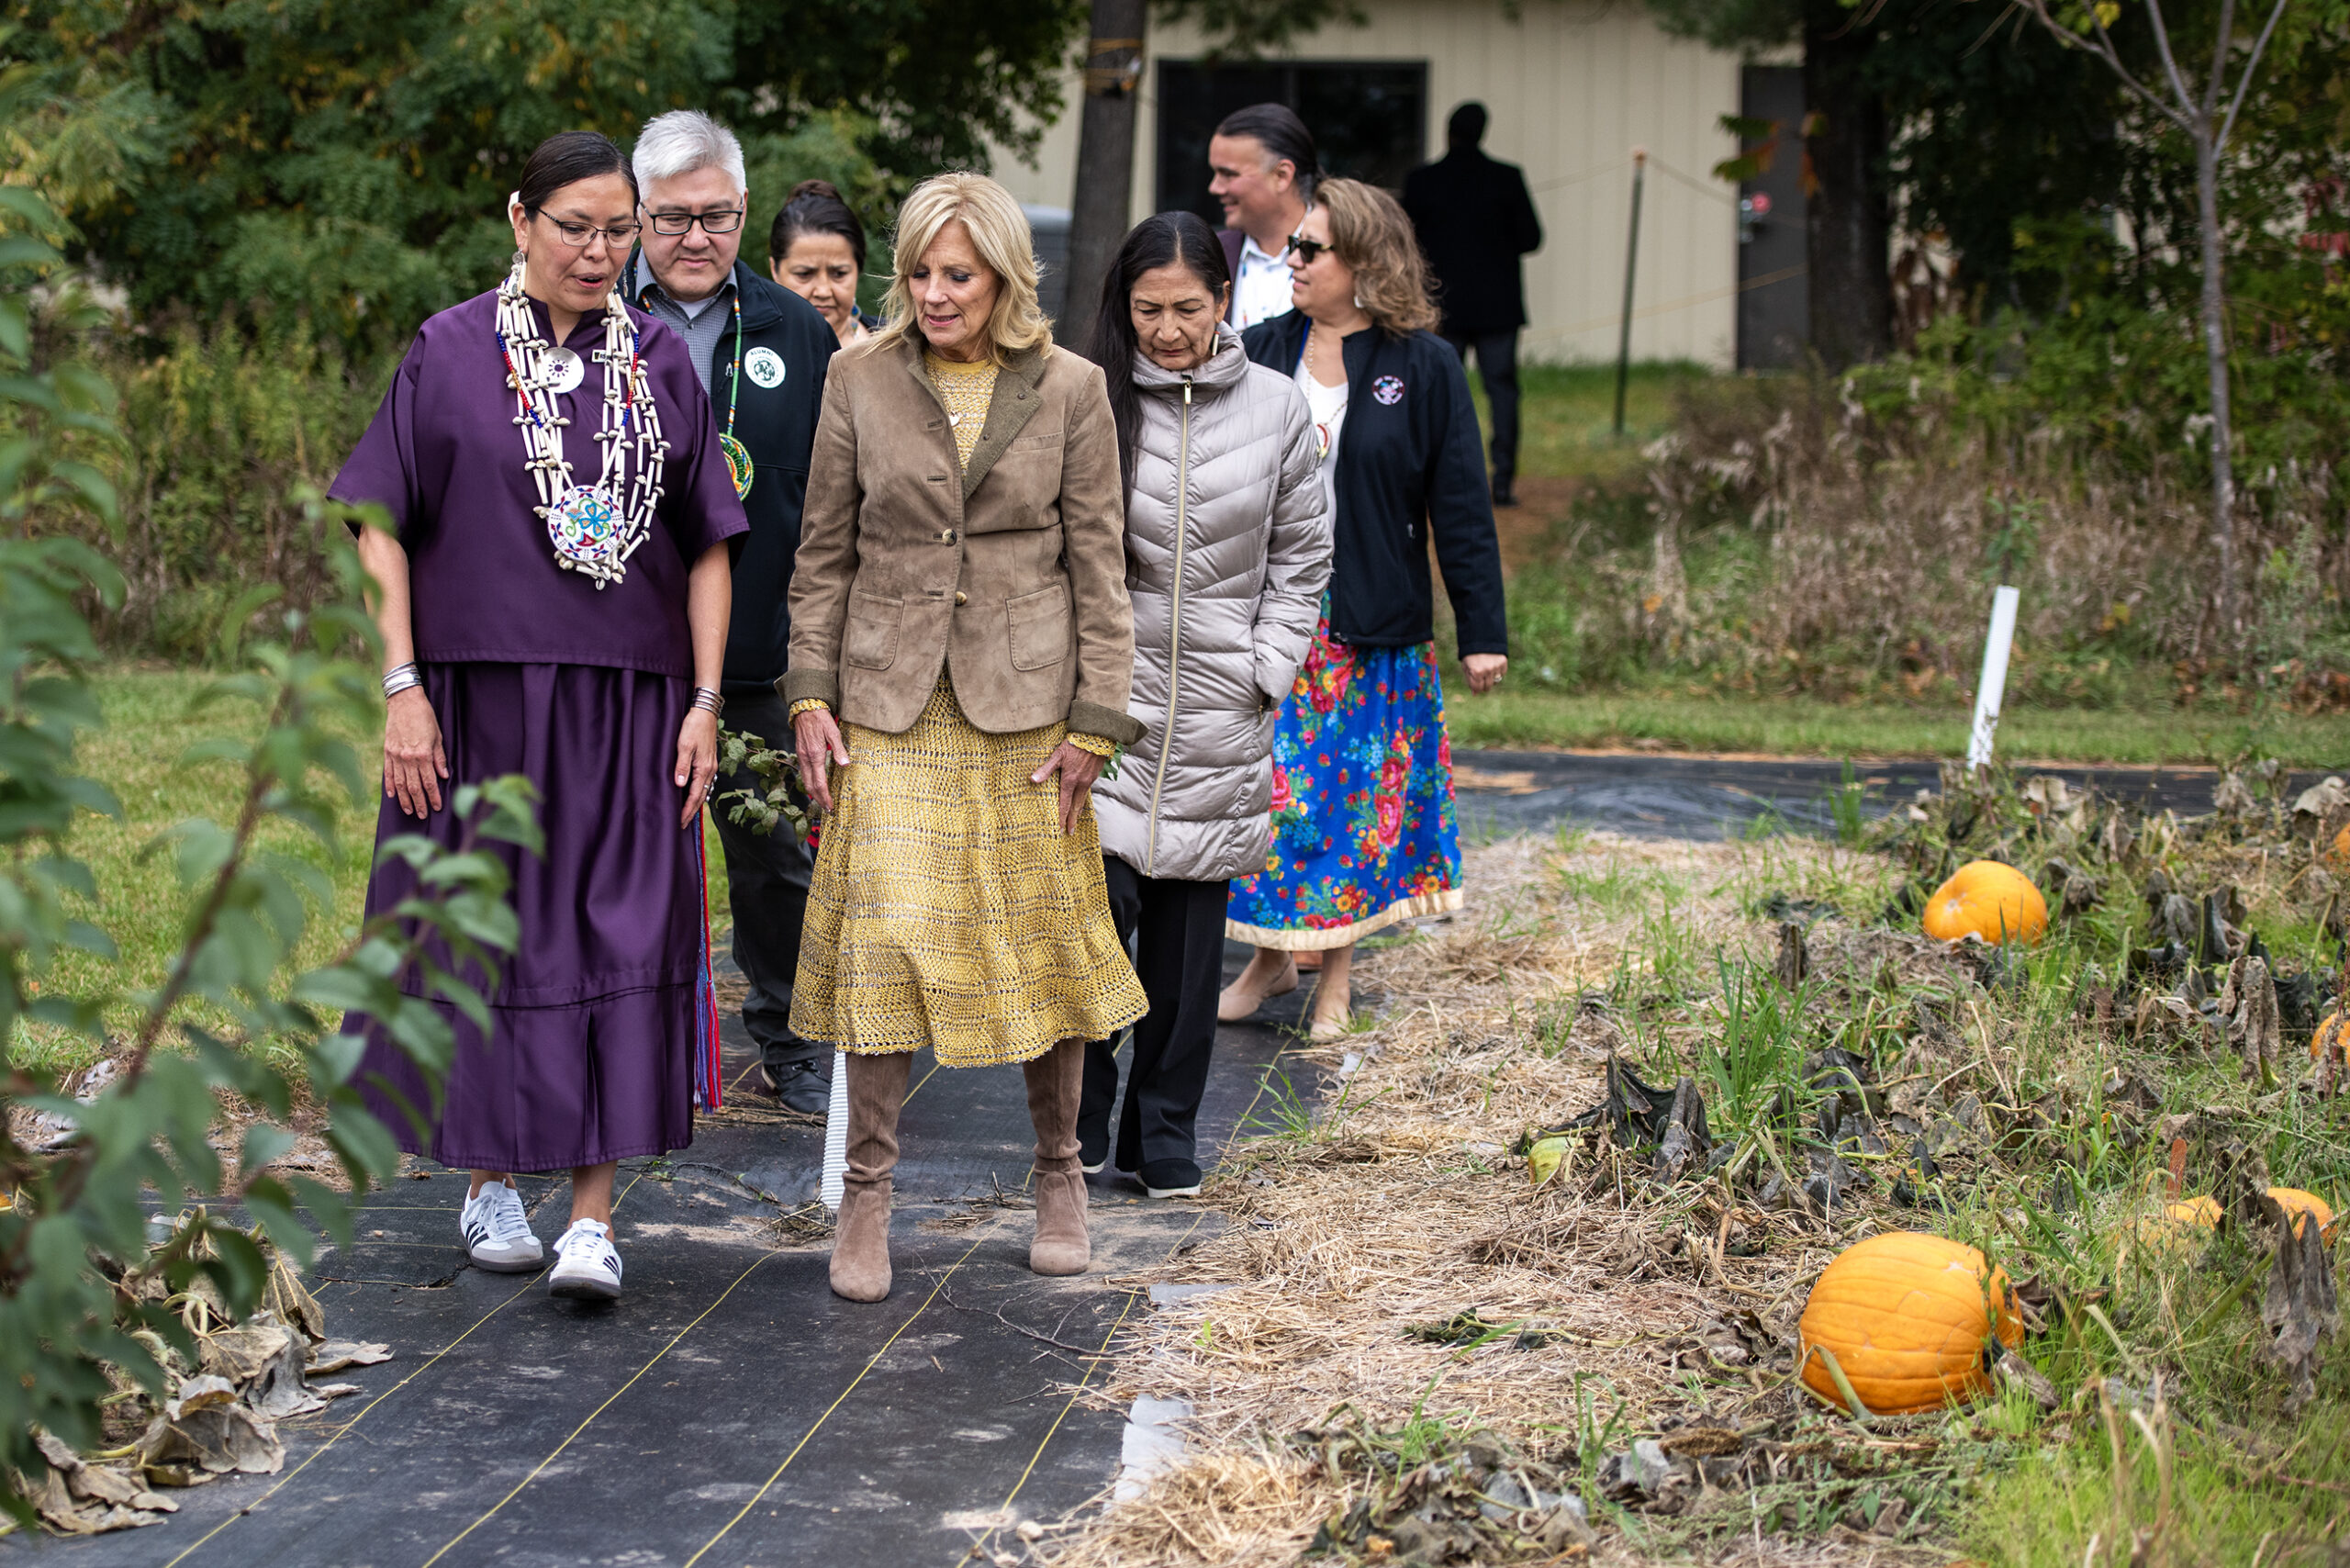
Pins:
x: 140, y: 754
x: 1567, y: 415
x: 140, y: 757
x: 2219, y: 1501
x: 1578, y: 682
x: 1785, y: 726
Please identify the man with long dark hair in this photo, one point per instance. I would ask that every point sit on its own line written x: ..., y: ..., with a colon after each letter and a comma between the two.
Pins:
x: 1264, y: 165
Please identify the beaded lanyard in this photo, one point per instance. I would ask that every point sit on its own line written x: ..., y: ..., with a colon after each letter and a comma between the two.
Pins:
x: 594, y: 528
x: 738, y: 456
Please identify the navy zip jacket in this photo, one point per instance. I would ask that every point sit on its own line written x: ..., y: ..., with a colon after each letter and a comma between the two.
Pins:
x: 1409, y: 462
x: 774, y: 419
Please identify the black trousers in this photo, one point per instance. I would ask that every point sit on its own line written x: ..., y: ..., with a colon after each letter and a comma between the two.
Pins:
x: 1497, y: 368
x: 767, y: 888
x: 1178, y: 930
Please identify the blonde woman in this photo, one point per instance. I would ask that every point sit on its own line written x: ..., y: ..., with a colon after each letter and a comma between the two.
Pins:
x: 1364, y: 832
x: 961, y: 645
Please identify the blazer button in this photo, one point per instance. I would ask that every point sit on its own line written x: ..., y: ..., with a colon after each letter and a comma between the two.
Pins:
x: 962, y: 597
x: 947, y: 537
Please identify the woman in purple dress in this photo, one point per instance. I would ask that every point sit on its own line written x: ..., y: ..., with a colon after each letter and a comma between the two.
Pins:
x: 553, y: 600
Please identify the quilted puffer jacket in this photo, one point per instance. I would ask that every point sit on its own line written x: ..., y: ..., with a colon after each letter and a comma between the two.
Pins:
x: 1227, y: 552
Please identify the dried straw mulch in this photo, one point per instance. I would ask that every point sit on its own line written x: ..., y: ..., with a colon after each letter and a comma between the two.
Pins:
x: 1405, y: 1207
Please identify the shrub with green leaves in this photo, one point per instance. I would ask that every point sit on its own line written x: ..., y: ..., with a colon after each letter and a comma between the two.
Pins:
x: 233, y: 1026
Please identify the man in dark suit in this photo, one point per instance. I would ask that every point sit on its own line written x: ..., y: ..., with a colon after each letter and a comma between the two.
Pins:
x: 1475, y: 218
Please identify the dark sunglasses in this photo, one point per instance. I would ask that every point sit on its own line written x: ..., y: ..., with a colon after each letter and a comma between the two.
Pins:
x: 1306, y: 248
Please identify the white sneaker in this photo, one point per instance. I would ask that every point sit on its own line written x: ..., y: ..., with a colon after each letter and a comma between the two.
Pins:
x: 588, y: 1267
x: 497, y: 1233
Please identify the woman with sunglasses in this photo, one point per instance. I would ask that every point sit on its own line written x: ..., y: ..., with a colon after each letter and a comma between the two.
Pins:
x: 553, y: 595
x: 1364, y: 833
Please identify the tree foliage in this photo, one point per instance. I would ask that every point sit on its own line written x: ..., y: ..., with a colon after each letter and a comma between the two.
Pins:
x: 348, y: 160
x: 85, y: 1298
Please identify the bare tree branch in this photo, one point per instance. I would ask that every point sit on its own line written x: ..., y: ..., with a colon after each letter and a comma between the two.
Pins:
x: 2162, y: 46
x: 2103, y: 49
x: 2244, y: 83
x: 2220, y: 40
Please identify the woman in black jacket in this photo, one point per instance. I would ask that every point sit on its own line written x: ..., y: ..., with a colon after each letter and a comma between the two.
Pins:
x: 1364, y: 832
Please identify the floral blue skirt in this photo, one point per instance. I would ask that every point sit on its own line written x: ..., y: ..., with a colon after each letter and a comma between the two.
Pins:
x: 1364, y: 832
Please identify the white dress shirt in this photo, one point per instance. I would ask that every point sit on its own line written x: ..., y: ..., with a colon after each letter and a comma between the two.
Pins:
x: 1261, y: 290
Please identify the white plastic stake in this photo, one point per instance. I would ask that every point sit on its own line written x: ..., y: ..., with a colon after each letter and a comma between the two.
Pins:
x: 836, y: 1136
x: 1994, y: 684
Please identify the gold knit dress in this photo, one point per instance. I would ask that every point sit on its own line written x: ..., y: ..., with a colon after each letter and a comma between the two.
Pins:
x: 947, y: 908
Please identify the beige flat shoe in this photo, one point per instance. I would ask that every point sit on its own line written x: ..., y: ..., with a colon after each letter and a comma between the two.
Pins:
x: 1324, y: 1030
x: 1240, y: 1000
x: 1332, y: 1010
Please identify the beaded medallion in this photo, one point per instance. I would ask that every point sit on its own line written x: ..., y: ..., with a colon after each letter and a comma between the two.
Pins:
x: 738, y: 465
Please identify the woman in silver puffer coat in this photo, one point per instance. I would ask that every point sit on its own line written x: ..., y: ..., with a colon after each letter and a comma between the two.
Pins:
x: 1227, y: 552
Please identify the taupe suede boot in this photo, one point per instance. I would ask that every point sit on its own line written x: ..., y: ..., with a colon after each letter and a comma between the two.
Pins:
x: 1055, y: 1081
x: 877, y: 1089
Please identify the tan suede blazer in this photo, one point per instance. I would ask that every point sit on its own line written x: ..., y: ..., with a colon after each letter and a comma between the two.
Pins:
x: 1014, y: 577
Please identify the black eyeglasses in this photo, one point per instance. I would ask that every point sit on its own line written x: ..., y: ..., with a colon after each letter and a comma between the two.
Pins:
x: 1306, y: 248
x: 721, y: 222
x: 578, y: 236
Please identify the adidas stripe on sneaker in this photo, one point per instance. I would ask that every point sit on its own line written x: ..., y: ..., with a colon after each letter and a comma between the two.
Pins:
x: 587, y: 1266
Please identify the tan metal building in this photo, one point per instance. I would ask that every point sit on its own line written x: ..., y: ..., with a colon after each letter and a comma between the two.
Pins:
x: 1573, y: 87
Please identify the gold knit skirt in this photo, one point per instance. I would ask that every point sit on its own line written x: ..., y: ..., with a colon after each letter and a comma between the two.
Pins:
x: 948, y: 909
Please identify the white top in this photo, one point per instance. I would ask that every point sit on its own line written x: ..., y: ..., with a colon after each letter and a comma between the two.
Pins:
x: 1328, y: 407
x: 1261, y: 290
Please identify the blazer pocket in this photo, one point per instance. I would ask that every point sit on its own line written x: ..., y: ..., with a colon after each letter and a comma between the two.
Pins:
x: 1039, y: 624
x: 872, y: 640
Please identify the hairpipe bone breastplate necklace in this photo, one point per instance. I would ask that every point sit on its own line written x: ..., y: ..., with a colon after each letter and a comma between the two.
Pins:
x: 594, y: 528
x: 739, y: 467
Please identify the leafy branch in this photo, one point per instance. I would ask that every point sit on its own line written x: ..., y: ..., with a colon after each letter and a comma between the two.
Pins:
x: 237, y: 1024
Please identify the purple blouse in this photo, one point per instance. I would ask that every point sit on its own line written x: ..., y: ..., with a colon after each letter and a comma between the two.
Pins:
x: 444, y: 458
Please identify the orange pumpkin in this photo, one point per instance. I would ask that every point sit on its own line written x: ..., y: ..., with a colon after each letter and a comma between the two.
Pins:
x: 2329, y: 1032
x: 2341, y: 856
x: 1989, y: 899
x: 2296, y: 1203
x: 2204, y: 1212
x: 1906, y: 1316
x: 2183, y: 1226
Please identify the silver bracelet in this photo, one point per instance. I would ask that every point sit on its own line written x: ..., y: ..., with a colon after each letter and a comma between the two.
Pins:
x: 399, y: 678
x: 709, y: 701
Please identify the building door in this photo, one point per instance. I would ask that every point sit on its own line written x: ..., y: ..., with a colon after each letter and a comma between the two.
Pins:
x: 1369, y: 120
x: 1773, y: 298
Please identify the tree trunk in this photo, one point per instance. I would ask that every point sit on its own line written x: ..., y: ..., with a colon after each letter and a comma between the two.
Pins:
x: 2215, y: 355
x: 1848, y: 279
x: 1106, y: 161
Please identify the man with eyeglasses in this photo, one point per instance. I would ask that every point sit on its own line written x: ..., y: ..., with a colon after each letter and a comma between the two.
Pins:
x: 761, y: 352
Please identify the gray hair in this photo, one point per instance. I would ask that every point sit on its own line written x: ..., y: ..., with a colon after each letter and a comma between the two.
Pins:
x: 683, y: 141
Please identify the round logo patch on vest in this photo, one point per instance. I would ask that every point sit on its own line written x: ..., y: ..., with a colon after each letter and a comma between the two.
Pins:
x: 1388, y: 389
x: 764, y: 367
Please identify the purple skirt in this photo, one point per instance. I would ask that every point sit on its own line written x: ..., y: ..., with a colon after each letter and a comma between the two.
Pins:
x: 590, y: 1055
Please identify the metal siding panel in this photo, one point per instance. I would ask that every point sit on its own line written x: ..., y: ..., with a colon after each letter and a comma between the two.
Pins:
x: 1572, y: 86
